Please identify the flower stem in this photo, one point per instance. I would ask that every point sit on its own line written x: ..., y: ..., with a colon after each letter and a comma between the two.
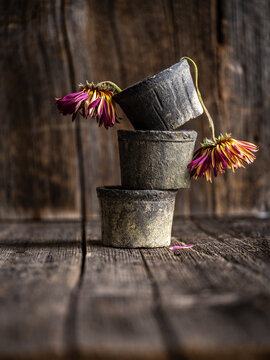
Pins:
x: 114, y: 86
x: 210, y: 120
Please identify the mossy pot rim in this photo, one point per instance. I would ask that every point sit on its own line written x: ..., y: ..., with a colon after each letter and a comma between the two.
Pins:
x: 121, y: 193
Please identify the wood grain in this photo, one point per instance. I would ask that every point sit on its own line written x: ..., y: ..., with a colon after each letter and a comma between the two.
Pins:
x: 215, y: 296
x: 38, y: 159
x: 50, y: 167
x: 244, y: 99
x: 211, y: 301
x: 208, y: 302
x: 115, y: 315
x: 40, y: 269
x: 194, y: 35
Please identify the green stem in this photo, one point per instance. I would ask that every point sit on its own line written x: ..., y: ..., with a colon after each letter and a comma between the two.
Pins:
x: 115, y: 87
x: 210, y: 120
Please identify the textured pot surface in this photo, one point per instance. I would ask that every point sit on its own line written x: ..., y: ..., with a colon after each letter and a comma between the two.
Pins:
x: 136, y: 218
x: 155, y: 159
x: 163, y: 101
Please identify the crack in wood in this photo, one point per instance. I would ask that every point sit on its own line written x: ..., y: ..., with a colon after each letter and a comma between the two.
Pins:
x: 71, y: 319
x: 221, y: 36
x: 173, y: 28
x: 79, y: 144
x: 169, y: 336
x: 117, y: 43
x: 71, y: 323
x: 70, y: 326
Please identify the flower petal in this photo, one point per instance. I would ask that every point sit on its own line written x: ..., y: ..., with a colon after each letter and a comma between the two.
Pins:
x: 181, y: 247
x: 92, y: 101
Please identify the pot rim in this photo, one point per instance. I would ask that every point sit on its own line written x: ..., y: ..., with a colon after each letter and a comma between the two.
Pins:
x: 157, y: 135
x: 151, y: 79
x: 120, y: 193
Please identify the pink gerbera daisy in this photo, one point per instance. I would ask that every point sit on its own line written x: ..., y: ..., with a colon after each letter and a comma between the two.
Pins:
x: 218, y: 154
x: 225, y: 153
x: 93, y: 101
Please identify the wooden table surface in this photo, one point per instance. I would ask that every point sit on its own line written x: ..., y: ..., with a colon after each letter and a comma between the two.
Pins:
x: 211, y: 301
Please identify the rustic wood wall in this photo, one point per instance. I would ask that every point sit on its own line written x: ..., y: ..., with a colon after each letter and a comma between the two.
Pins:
x: 50, y: 167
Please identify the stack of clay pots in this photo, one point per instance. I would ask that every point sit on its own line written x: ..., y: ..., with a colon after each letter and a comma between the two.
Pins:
x: 153, y: 159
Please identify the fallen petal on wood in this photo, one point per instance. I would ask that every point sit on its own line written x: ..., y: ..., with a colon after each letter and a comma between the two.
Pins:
x: 181, y: 247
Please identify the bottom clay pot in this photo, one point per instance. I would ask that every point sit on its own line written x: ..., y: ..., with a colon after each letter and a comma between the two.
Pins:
x: 136, y: 218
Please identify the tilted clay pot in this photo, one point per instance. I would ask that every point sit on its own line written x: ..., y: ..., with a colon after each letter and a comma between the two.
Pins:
x: 163, y: 101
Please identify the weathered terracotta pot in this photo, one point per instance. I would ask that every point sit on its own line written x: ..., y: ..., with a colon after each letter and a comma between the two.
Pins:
x: 163, y: 101
x: 155, y: 159
x: 136, y: 218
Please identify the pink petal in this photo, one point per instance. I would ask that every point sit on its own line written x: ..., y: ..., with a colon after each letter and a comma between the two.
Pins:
x: 94, y: 103
x: 106, y: 120
x: 206, y: 164
x: 198, y: 161
x: 221, y: 158
x: 71, y: 96
x: 181, y: 247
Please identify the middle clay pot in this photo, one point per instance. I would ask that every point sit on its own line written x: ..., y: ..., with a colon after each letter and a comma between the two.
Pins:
x: 154, y: 159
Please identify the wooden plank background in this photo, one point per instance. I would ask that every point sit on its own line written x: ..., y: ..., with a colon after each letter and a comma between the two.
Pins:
x: 49, y: 167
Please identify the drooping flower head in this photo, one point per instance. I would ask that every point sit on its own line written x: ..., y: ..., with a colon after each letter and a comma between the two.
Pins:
x: 218, y: 154
x: 225, y: 153
x: 93, y: 101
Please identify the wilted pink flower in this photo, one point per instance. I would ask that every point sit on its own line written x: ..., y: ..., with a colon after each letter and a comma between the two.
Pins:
x: 93, y: 101
x: 225, y: 153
